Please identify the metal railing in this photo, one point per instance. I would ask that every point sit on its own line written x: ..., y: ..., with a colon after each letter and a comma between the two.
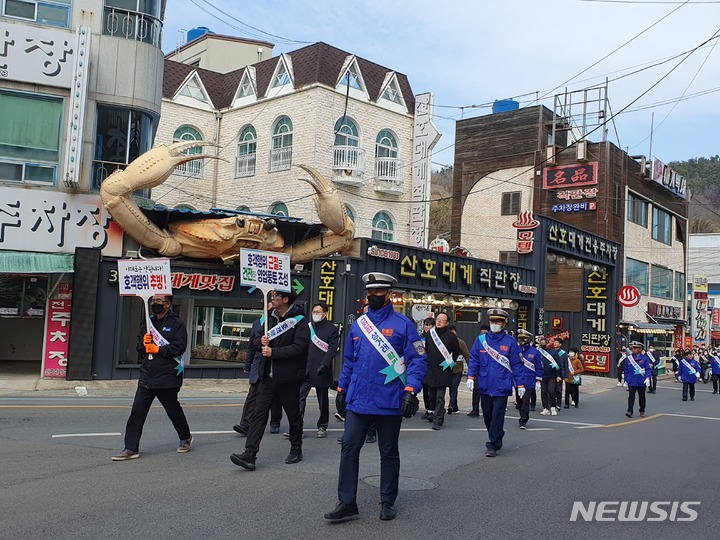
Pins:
x: 280, y: 159
x: 349, y: 158
x: 132, y: 25
x: 102, y: 169
x: 389, y: 169
x: 191, y: 168
x: 245, y: 166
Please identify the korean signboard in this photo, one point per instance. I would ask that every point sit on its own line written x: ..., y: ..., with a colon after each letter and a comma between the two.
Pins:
x: 425, y: 136
x: 57, y: 338
x: 700, y: 313
x: 525, y: 225
x: 144, y: 277
x: 669, y: 179
x: 596, y: 339
x: 578, y: 242
x: 570, y: 176
x: 266, y: 270
x: 56, y: 222
x: 326, y: 287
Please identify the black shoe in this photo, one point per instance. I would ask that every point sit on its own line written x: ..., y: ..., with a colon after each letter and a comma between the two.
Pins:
x: 490, y: 453
x: 628, y: 414
x: 714, y: 391
x: 340, y: 439
x: 642, y: 414
x: 239, y: 428
x: 532, y: 408
x: 576, y: 405
x: 295, y: 456
x: 246, y: 460
x: 436, y: 426
x: 684, y: 399
x: 522, y: 425
x: 473, y: 414
x: 692, y: 399
x: 426, y: 416
x: 387, y: 511
x: 370, y: 439
x: 566, y: 406
x: 342, y: 512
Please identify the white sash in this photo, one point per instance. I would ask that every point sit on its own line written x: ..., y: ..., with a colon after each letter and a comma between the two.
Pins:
x: 499, y: 358
x: 447, y: 355
x: 528, y: 363
x: 549, y: 358
x: 381, y: 344
x: 319, y: 343
x: 692, y: 369
x: 716, y: 359
x: 282, y: 327
x: 635, y: 365
x: 623, y: 357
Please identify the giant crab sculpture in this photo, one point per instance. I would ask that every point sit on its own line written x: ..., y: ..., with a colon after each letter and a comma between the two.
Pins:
x: 217, y: 238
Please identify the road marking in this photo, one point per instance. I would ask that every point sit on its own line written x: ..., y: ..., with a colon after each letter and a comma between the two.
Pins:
x: 555, y: 421
x: 65, y: 435
x: 539, y: 429
x: 636, y: 421
x: 691, y: 416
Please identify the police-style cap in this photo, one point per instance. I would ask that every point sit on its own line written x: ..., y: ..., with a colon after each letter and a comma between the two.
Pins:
x: 498, y: 313
x: 524, y: 333
x: 378, y: 280
x: 636, y: 344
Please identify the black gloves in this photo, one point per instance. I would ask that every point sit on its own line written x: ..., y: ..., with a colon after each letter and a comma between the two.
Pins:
x: 410, y: 404
x: 322, y: 370
x: 340, y: 403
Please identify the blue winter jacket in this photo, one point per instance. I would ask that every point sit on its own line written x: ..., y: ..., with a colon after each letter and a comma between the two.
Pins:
x: 529, y: 377
x: 492, y: 378
x: 715, y: 364
x: 360, y: 377
x: 637, y: 379
x: 686, y: 374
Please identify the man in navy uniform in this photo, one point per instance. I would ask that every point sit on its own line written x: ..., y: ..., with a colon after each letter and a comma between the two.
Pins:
x: 638, y: 372
x: 532, y: 373
x: 381, y: 342
x: 495, y: 362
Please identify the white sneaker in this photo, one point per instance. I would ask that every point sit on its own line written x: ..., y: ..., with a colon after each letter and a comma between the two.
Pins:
x: 619, y: 384
x: 553, y: 411
x: 545, y: 412
x: 572, y: 403
x: 624, y: 384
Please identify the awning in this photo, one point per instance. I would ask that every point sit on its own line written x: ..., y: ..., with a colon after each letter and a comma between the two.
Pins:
x: 649, y: 328
x: 28, y: 262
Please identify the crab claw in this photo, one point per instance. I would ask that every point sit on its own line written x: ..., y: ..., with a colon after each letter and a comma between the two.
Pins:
x: 328, y: 203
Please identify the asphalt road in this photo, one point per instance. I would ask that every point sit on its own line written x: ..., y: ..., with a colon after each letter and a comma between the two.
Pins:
x: 57, y: 480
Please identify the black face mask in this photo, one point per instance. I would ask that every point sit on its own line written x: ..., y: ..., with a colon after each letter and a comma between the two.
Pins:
x: 157, y: 309
x: 376, y: 302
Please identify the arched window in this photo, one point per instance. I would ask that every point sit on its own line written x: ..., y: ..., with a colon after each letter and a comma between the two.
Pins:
x: 350, y: 212
x: 383, y: 227
x: 386, y: 145
x: 346, y: 132
x: 247, y: 148
x: 279, y: 209
x: 387, y: 165
x: 281, y: 152
x: 191, y: 168
x: 243, y: 208
x: 184, y: 207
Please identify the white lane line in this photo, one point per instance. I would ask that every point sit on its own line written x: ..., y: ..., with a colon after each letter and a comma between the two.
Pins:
x: 539, y: 429
x: 589, y: 426
x: 476, y: 429
x: 64, y: 435
x: 555, y: 421
x: 691, y: 416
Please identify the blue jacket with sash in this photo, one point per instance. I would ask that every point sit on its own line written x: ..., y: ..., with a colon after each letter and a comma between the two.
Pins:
x: 360, y: 377
x: 645, y: 365
x: 491, y: 378
x: 715, y: 364
x: 685, y: 374
x: 529, y: 377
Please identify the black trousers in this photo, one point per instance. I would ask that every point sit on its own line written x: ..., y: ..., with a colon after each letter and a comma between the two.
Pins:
x: 475, y: 400
x: 525, y: 403
x: 437, y: 401
x: 558, y: 392
x: 716, y: 382
x: 388, y: 433
x: 140, y: 408
x: 653, y: 382
x: 249, y: 406
x: 572, y: 392
x: 288, y: 394
x: 276, y: 413
x: 548, y: 390
x: 631, y: 398
x: 429, y: 404
x: 686, y: 387
x: 457, y: 379
x: 323, y: 402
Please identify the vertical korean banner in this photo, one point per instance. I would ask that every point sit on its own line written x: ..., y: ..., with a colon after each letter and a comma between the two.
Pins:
x: 57, y: 338
x: 595, y: 340
x: 266, y: 270
x: 700, y: 313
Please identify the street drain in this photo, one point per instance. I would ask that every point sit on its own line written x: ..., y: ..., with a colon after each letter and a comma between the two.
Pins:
x: 406, y: 483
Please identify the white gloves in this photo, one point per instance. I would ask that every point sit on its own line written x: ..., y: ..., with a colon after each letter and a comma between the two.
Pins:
x: 471, y: 384
x: 521, y: 391
x: 647, y: 383
x: 538, y: 386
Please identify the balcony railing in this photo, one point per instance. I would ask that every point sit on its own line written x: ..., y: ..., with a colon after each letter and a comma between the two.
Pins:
x: 132, y: 25
x: 103, y: 169
x: 191, y: 168
x: 245, y: 166
x: 389, y: 175
x: 349, y: 158
x: 280, y: 159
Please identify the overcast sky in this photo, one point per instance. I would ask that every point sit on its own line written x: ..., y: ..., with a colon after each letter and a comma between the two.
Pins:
x: 472, y: 52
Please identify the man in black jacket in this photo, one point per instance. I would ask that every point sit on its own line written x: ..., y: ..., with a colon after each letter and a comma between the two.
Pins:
x: 284, y: 349
x: 324, y: 340
x: 160, y: 377
x: 442, y: 348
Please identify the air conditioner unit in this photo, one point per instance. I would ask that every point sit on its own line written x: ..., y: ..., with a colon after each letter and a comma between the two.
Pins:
x: 582, y: 150
x: 551, y: 151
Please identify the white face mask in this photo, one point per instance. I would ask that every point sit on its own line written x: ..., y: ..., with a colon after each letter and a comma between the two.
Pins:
x: 317, y: 318
x: 495, y: 328
x: 571, y: 354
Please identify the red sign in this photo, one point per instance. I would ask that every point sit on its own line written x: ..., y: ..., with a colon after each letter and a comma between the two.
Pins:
x: 57, y: 339
x: 202, y: 282
x: 628, y: 296
x: 525, y: 224
x: 556, y: 323
x: 570, y: 176
x: 596, y: 362
x: 716, y: 317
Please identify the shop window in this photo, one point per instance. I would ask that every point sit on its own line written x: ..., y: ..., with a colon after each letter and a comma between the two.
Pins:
x: 383, y: 227
x: 637, y: 210
x: 680, y: 290
x: 636, y: 273
x: 509, y: 257
x: 121, y: 136
x: 50, y: 12
x: 222, y: 335
x: 23, y: 296
x: 133, y: 19
x: 662, y: 226
x: 29, y: 137
x: 661, y: 282
x: 511, y: 203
